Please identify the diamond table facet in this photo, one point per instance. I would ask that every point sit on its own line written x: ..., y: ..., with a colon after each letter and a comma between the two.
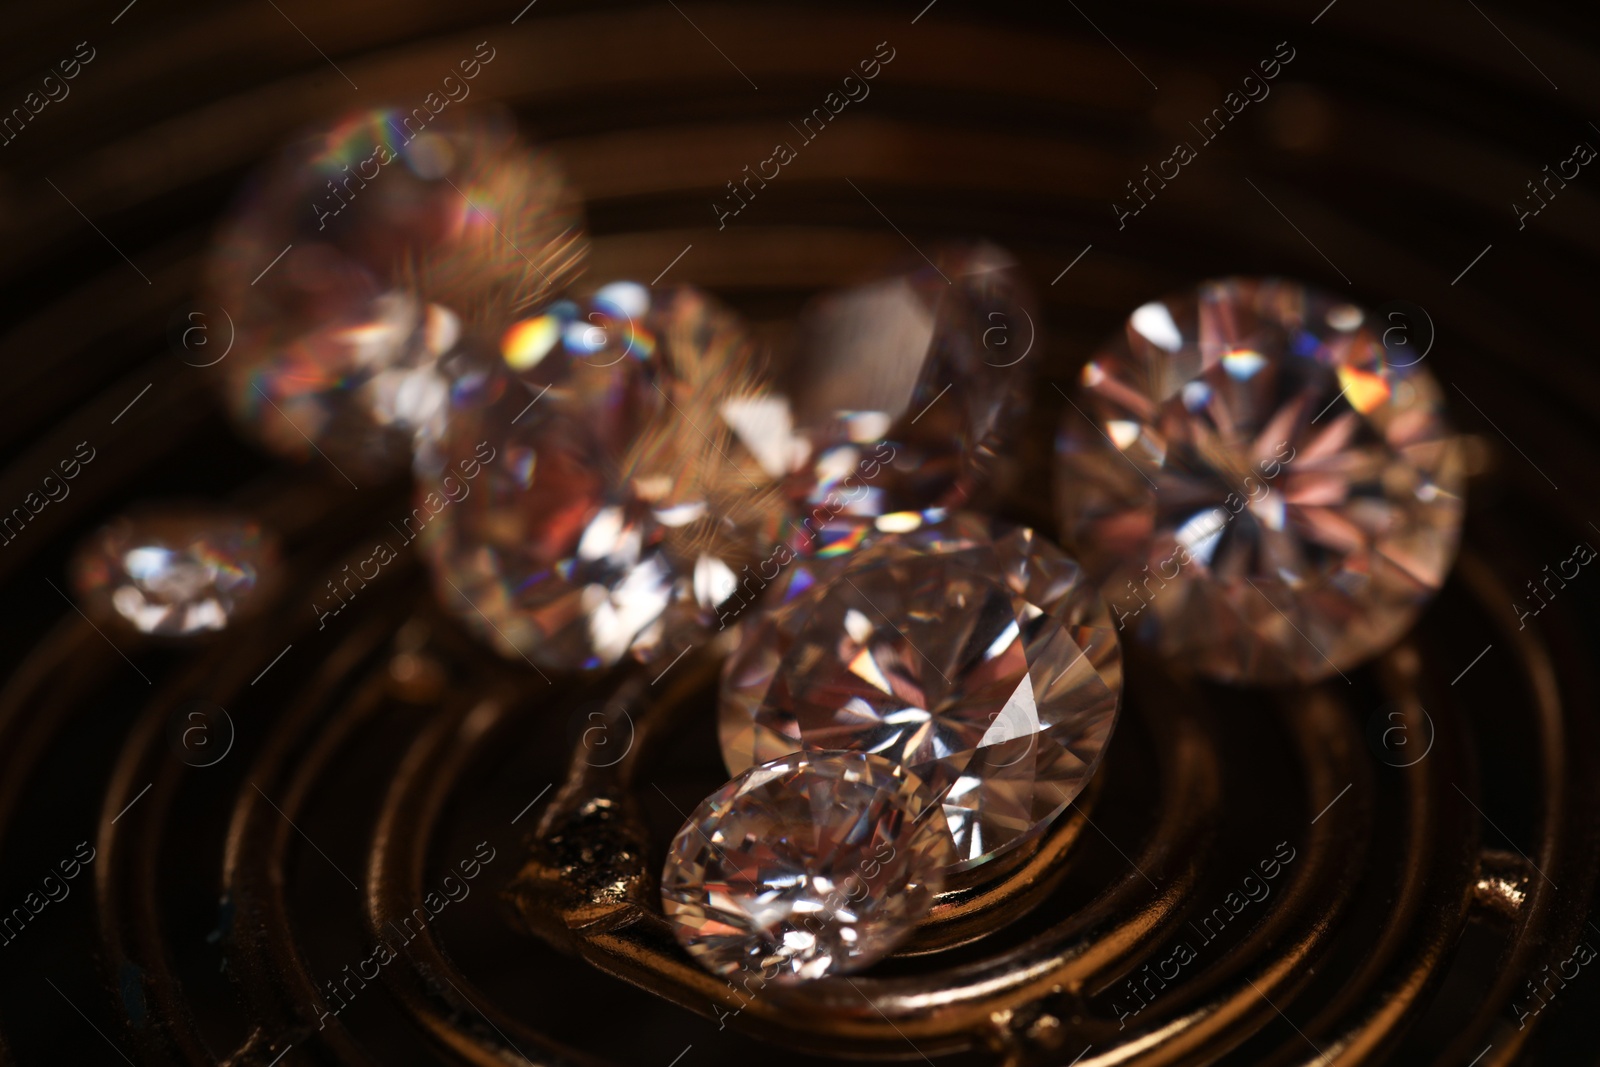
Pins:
x: 971, y: 652
x: 1268, y: 496
x: 804, y: 867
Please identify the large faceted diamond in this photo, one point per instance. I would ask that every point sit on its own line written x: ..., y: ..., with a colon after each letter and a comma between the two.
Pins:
x: 806, y: 866
x: 970, y: 652
x: 599, y: 505
x: 1269, y: 496
x: 336, y: 266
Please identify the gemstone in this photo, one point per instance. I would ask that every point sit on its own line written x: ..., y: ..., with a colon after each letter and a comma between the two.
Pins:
x: 900, y: 394
x: 341, y: 265
x: 1268, y: 497
x: 174, y: 572
x: 616, y: 507
x: 366, y: 386
x: 971, y: 652
x: 805, y: 866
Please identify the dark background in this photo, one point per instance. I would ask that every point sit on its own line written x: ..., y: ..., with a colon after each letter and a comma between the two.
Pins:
x: 1396, y: 141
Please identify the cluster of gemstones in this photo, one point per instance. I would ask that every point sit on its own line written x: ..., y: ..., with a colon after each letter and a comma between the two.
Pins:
x: 613, y: 472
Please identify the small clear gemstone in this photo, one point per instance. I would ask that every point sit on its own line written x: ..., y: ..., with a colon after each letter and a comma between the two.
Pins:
x: 1268, y: 498
x: 620, y: 507
x: 806, y: 866
x: 900, y: 394
x: 173, y: 573
x: 337, y: 267
x: 971, y: 652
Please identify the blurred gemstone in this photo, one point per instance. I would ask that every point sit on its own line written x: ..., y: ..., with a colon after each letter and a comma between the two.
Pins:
x: 804, y: 867
x: 597, y: 504
x: 1267, y: 496
x: 901, y: 393
x: 970, y: 652
x: 364, y: 388
x: 173, y: 573
x: 339, y: 264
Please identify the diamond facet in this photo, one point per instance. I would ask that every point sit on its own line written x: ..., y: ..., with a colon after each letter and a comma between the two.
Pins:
x: 973, y: 653
x: 620, y: 506
x: 919, y: 370
x: 338, y: 265
x: 806, y: 866
x: 176, y: 573
x: 1268, y: 497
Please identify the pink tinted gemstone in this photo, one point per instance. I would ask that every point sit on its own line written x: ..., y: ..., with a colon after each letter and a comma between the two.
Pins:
x: 346, y: 260
x: 903, y: 392
x: 612, y: 506
x: 971, y: 652
x: 1268, y: 496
